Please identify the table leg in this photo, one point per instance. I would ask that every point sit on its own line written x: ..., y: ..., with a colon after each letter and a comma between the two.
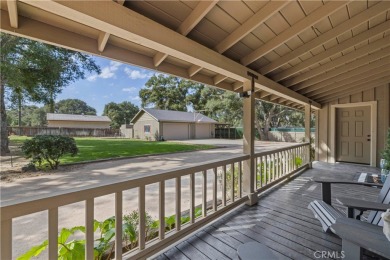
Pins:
x: 326, y: 193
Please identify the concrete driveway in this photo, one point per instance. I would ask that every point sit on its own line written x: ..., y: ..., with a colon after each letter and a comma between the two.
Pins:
x: 32, y: 229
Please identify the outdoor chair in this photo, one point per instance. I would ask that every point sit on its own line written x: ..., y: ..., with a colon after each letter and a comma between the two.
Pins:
x: 327, y: 214
x: 351, y: 230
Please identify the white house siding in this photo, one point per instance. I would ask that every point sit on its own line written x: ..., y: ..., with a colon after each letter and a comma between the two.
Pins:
x: 175, y: 131
x: 78, y: 124
x: 146, y: 119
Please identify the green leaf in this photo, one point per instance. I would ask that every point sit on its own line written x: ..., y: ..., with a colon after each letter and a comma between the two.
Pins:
x: 109, y: 235
x: 64, y: 235
x: 34, y: 251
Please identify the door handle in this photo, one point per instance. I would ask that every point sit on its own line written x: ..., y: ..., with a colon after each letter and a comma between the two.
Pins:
x: 369, y: 140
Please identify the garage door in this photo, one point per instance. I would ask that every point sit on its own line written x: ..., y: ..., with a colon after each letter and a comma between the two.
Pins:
x: 175, y: 131
x: 202, y: 131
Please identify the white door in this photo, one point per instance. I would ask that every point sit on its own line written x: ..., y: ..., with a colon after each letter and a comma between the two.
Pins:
x: 175, y: 131
x: 202, y: 131
x: 353, y: 134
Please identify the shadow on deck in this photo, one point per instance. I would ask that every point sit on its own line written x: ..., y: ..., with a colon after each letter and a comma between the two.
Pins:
x: 281, y: 220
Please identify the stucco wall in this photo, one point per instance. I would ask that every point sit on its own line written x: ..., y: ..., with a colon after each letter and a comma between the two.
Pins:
x: 77, y: 124
x: 138, y: 127
x: 380, y: 94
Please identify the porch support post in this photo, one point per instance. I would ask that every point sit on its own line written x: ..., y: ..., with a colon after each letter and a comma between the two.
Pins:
x: 307, y: 129
x: 249, y: 142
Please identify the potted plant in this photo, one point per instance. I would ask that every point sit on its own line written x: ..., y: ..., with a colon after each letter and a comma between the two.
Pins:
x: 385, y: 161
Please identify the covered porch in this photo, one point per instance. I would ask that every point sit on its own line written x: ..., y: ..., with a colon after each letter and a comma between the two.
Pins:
x: 281, y: 220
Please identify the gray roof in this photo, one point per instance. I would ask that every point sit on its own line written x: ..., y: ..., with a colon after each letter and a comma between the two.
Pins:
x: 69, y: 117
x: 175, y: 116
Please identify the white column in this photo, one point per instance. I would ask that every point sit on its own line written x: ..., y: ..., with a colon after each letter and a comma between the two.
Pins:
x: 248, y: 177
x: 307, y: 128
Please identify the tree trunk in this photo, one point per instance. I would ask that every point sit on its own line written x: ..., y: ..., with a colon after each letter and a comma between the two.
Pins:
x: 3, y: 122
x: 20, y: 114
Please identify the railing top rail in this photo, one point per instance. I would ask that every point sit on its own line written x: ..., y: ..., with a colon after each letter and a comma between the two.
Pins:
x: 280, y: 149
x: 12, y: 209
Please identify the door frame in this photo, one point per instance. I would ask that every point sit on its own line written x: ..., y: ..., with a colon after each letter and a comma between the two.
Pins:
x: 373, y: 108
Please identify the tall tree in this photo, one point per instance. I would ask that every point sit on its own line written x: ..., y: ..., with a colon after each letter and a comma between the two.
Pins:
x: 37, y: 71
x: 165, y: 92
x: 30, y: 116
x: 120, y: 113
x: 74, y: 106
x: 226, y: 108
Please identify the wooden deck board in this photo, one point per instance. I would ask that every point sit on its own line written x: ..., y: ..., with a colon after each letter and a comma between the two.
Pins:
x: 281, y: 220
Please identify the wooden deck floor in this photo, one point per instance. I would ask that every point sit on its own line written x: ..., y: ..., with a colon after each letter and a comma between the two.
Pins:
x: 281, y: 220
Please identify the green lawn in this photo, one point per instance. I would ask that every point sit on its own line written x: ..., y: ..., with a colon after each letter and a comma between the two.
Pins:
x: 101, y: 148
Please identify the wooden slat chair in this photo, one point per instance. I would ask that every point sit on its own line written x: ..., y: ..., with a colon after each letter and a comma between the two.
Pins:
x: 327, y: 214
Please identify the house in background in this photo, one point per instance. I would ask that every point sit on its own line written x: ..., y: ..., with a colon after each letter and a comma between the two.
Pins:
x: 126, y: 130
x: 77, y: 121
x: 172, y: 125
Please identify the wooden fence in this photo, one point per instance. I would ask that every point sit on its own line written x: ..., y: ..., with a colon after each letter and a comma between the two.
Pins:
x: 75, y: 132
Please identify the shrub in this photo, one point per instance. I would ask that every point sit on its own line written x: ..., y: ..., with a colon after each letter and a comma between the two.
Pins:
x: 386, y: 152
x: 104, y: 244
x: 49, y: 149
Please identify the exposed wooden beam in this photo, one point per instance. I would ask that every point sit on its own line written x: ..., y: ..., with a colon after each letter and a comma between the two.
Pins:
x: 339, y: 61
x: 249, y: 25
x: 193, y: 70
x: 327, y: 36
x: 219, y: 78
x: 343, y: 69
x: 363, y: 70
x: 46, y: 33
x: 379, y: 29
x: 320, y: 13
x: 237, y: 85
x: 103, y: 36
x: 265, y: 94
x: 195, y: 16
x: 367, y: 79
x: 358, y: 88
x: 158, y: 58
x: 13, y: 13
x: 189, y: 23
x: 108, y: 16
x: 352, y: 77
x: 102, y: 40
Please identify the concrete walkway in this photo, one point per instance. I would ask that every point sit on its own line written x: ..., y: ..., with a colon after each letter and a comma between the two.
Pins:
x: 32, y: 229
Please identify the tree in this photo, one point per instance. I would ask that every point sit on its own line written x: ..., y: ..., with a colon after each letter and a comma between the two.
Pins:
x: 120, y: 113
x: 74, y: 107
x: 37, y: 72
x: 31, y: 116
x: 165, y: 92
x: 226, y: 108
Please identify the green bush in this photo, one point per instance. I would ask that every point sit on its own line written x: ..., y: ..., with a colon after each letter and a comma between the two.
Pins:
x: 49, y: 149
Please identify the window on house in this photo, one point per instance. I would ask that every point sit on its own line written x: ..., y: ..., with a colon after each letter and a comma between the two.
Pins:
x: 147, y: 129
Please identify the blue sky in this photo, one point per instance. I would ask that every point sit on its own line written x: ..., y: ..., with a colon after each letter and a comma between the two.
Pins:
x: 117, y: 82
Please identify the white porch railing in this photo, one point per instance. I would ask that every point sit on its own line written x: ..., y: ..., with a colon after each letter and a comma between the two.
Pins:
x: 272, y: 167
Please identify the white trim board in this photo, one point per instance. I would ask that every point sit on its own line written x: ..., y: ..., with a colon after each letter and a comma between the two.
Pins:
x: 373, y: 108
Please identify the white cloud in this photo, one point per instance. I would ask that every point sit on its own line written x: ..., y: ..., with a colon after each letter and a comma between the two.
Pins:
x: 137, y: 98
x: 107, y: 72
x: 130, y: 89
x: 138, y: 74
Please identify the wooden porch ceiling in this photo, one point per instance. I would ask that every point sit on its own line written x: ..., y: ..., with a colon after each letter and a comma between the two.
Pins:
x: 301, y: 50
